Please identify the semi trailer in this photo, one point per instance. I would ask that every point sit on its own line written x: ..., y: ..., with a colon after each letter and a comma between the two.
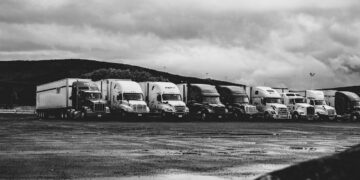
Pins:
x: 164, y: 98
x: 237, y: 102
x: 268, y: 102
x: 203, y: 101
x: 317, y: 99
x: 347, y: 105
x: 298, y: 107
x: 70, y: 98
x: 124, y: 97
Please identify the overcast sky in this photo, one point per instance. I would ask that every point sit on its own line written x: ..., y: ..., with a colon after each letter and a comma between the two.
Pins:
x: 256, y: 42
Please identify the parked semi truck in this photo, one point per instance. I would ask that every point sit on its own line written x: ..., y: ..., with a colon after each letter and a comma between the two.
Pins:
x: 268, y: 102
x: 164, y: 98
x: 298, y: 107
x: 203, y: 101
x: 347, y: 104
x: 317, y: 99
x: 237, y: 102
x: 70, y: 98
x: 124, y: 97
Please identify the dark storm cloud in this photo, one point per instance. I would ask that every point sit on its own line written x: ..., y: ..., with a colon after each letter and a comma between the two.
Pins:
x: 259, y: 42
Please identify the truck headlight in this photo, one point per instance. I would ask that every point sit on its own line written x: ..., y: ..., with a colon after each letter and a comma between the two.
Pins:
x: 226, y: 110
x: 186, y: 109
x: 107, y: 109
x: 168, y: 109
x: 322, y: 112
x: 147, y: 109
x: 128, y: 108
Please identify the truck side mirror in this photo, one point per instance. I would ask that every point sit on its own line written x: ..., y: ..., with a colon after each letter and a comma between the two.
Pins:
x: 158, y: 98
x: 262, y: 101
x: 119, y: 97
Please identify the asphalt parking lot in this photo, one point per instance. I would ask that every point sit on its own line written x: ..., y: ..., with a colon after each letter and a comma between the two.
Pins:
x: 103, y: 149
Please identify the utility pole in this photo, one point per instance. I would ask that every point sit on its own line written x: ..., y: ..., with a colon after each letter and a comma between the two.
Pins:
x: 311, y: 79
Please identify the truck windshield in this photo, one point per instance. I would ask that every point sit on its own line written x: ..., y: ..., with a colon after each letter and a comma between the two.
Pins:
x: 318, y: 102
x: 298, y: 100
x: 92, y: 96
x: 171, y: 97
x: 241, y: 99
x: 133, y: 96
x: 211, y: 99
x: 273, y: 100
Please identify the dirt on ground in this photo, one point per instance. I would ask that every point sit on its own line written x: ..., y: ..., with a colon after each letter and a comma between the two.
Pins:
x: 104, y: 149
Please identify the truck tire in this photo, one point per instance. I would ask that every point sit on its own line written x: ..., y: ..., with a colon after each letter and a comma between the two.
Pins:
x: 353, y: 117
x: 123, y: 115
x: 295, y: 116
x: 267, y: 116
x: 82, y: 115
x: 238, y: 116
x: 163, y: 115
x: 203, y: 116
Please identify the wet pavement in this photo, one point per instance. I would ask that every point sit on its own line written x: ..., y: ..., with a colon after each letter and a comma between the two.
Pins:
x: 31, y: 148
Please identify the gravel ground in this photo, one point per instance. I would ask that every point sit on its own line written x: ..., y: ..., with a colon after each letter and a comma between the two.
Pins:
x: 105, y: 149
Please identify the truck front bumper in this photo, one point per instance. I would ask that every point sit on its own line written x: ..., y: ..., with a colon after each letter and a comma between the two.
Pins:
x: 309, y: 117
x: 96, y: 114
x: 277, y: 116
x: 137, y: 114
x: 177, y: 114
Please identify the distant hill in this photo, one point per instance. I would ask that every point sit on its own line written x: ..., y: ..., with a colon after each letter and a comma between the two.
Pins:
x: 18, y: 79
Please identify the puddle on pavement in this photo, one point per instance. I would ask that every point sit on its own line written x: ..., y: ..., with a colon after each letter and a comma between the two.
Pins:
x: 301, y: 148
x: 176, y: 177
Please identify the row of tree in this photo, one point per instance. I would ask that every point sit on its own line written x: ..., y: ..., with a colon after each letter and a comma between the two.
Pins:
x: 112, y: 73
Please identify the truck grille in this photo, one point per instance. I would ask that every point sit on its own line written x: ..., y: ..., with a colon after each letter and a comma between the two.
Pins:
x: 331, y: 112
x: 180, y: 108
x: 310, y: 110
x: 283, y: 111
x: 251, y: 109
x: 99, y: 107
x: 139, y: 108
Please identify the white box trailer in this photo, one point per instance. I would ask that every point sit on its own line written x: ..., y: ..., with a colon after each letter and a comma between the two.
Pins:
x: 330, y: 97
x: 164, y: 98
x: 59, y: 98
x: 124, y: 97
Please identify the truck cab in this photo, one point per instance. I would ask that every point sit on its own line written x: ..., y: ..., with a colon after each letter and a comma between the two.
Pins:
x: 268, y: 102
x: 347, y: 104
x: 317, y: 99
x: 86, y: 98
x: 237, y: 102
x: 203, y: 101
x: 164, y: 98
x: 297, y: 106
x: 124, y: 97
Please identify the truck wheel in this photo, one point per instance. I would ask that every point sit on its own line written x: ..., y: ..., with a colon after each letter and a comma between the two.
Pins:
x: 239, y: 116
x: 267, y: 116
x: 163, y: 115
x: 203, y: 116
x: 295, y: 116
x: 353, y: 117
x: 123, y: 115
x: 82, y: 115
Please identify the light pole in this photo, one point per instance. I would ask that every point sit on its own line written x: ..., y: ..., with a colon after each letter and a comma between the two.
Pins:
x: 311, y: 79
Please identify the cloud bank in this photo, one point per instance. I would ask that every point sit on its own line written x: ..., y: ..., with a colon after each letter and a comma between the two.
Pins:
x: 258, y: 42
